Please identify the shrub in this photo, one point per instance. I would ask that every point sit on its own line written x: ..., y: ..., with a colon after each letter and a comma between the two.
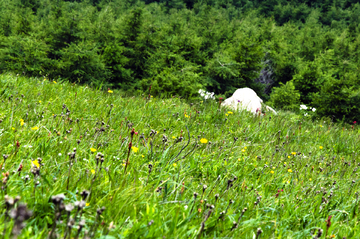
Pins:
x: 285, y: 97
x: 338, y: 99
x: 182, y: 83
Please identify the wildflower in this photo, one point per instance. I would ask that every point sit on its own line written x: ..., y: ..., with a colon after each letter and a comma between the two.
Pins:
x: 354, y: 122
x: 173, y: 137
x: 289, y: 156
x: 12, y: 128
x: 288, y: 182
x: 321, y: 126
x: 35, y: 128
x: 21, y: 122
x: 245, y: 147
x: 293, y: 153
x: 321, y: 147
x: 174, y: 164
x: 135, y: 149
x: 230, y: 113
x: 303, y: 107
x: 272, y: 172
x: 313, y: 109
x: 186, y: 207
x: 226, y: 115
x: 35, y: 163
x: 87, y: 204
x: 310, y: 179
x: 206, y: 95
x: 142, y: 156
x: 54, y: 82
x: 92, y: 150
x: 199, y: 210
x: 289, y: 170
x: 203, y: 141
x: 243, y: 150
x: 110, y: 91
x: 92, y: 171
x: 39, y: 101
x: 186, y: 116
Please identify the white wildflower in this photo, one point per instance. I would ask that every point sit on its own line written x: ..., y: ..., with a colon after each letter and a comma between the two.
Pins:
x: 206, y: 95
x: 303, y: 107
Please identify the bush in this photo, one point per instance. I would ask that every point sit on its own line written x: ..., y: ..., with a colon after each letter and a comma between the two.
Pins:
x: 339, y: 100
x: 181, y: 83
x: 285, y: 97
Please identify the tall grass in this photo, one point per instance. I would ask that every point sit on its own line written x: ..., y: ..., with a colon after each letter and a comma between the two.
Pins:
x: 85, y: 163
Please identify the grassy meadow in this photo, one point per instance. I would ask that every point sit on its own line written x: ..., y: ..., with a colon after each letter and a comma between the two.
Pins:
x: 83, y: 163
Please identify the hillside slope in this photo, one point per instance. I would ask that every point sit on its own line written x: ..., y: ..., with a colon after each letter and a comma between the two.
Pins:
x: 193, y: 170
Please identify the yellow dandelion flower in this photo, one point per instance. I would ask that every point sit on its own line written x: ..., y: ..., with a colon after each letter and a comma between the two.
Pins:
x: 35, y: 128
x: 173, y: 137
x: 321, y: 126
x: 110, y: 91
x: 243, y: 150
x: 310, y: 179
x: 87, y: 204
x: 22, y: 122
x: 272, y: 172
x: 92, y: 150
x: 174, y: 164
x: 142, y: 156
x: 203, y: 141
x: 226, y: 115
x: 245, y: 147
x: 135, y: 149
x: 12, y: 128
x: 273, y: 167
x: 92, y: 171
x: 289, y: 156
x: 288, y: 182
x: 239, y: 159
x: 54, y: 82
x: 39, y: 101
x: 293, y: 153
x: 321, y: 147
x: 289, y: 170
x: 230, y: 113
x: 35, y: 163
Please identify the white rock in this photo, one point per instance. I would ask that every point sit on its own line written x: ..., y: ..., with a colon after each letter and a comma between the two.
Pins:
x: 246, y: 98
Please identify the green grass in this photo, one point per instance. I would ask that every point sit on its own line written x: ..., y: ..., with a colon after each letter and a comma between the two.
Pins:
x: 289, y: 172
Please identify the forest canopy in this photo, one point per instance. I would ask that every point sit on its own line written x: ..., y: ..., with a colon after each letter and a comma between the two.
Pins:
x: 276, y: 47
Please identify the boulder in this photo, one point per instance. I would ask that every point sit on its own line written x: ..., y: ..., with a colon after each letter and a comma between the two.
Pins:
x: 246, y: 98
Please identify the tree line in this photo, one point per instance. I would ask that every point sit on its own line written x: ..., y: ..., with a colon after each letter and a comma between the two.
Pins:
x: 289, y: 52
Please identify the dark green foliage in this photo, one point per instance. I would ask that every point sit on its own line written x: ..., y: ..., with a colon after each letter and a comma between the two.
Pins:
x: 168, y: 83
x: 285, y: 97
x: 180, y: 46
x: 338, y: 99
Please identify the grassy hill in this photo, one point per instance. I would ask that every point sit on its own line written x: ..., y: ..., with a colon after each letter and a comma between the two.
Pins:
x: 165, y: 169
